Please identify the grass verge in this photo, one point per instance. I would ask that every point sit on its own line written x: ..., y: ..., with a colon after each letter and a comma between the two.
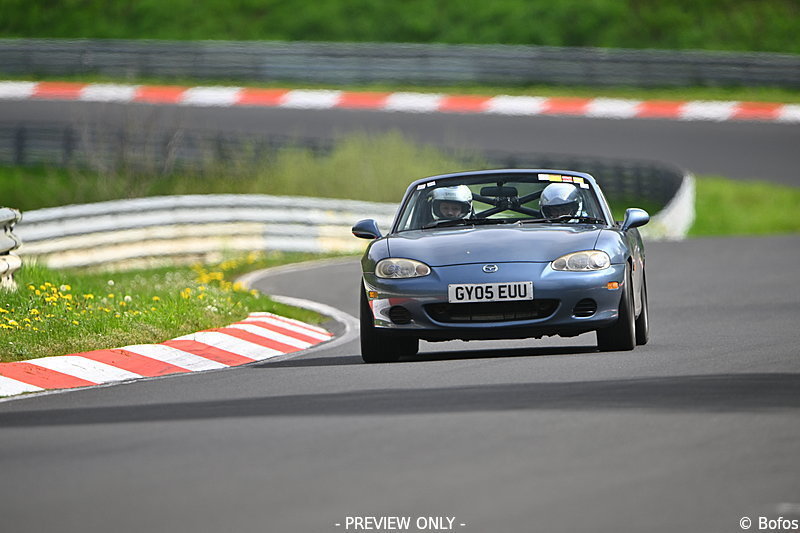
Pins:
x: 62, y: 312
x: 727, y: 207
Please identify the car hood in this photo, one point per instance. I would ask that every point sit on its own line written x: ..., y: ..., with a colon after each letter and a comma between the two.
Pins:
x: 492, y: 244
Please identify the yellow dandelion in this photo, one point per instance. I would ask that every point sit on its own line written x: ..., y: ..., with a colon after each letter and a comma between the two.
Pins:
x: 110, y: 295
x: 3, y: 310
x: 34, y: 312
x: 88, y: 296
x: 75, y: 322
x: 65, y: 288
x: 156, y: 299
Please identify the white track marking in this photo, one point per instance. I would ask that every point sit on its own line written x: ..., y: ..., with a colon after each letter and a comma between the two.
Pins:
x: 83, y: 368
x: 699, y: 110
x: 789, y: 113
x: 211, y: 96
x: 175, y: 357
x: 98, y: 92
x: 273, y: 335
x: 10, y: 387
x: 311, y: 99
x: 288, y: 326
x: 226, y: 342
x: 517, y: 105
x: 413, y: 102
x: 17, y: 90
x: 612, y: 108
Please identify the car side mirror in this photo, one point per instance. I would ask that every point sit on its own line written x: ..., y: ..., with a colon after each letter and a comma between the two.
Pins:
x: 635, y: 217
x: 366, y: 229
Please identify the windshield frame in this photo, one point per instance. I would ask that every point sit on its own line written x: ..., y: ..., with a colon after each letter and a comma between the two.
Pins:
x: 491, y: 177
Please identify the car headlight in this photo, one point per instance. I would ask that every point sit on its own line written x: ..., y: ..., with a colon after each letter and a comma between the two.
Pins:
x: 582, y: 261
x: 401, y: 268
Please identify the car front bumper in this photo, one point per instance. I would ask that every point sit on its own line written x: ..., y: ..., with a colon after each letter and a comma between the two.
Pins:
x: 561, y: 290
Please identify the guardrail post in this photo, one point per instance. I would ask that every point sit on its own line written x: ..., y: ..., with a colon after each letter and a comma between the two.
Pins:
x: 68, y: 145
x: 19, y: 146
x: 9, y: 261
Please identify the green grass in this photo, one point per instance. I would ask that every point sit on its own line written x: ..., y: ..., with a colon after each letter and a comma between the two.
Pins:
x: 726, y: 207
x: 768, y: 25
x: 61, y: 312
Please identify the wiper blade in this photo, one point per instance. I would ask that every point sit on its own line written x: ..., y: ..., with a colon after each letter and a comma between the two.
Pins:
x: 563, y: 218
x: 446, y: 223
x: 468, y: 222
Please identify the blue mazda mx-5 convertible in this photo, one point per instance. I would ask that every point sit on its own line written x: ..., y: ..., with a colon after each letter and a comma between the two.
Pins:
x: 502, y: 254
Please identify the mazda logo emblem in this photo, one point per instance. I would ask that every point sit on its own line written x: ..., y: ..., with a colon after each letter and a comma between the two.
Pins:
x: 490, y: 269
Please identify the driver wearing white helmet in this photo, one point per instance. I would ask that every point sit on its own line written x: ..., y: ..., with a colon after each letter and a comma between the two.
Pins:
x: 451, y: 203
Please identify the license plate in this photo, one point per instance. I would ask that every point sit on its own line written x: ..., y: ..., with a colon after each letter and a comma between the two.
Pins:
x: 490, y: 292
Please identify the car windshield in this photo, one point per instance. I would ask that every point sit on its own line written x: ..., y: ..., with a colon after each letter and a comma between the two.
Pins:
x: 501, y: 199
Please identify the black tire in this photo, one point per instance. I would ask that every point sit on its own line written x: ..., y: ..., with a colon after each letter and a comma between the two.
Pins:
x: 621, y: 335
x: 376, y: 345
x: 642, y: 324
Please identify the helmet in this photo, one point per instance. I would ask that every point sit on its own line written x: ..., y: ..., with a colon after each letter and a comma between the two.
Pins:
x: 451, y: 202
x: 559, y: 199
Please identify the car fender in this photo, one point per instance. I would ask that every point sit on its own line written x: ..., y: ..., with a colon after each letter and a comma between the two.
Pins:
x: 377, y: 250
x: 614, y: 243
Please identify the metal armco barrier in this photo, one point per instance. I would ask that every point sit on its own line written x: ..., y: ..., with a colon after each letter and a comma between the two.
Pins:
x: 9, y: 261
x: 357, y: 63
x: 131, y: 233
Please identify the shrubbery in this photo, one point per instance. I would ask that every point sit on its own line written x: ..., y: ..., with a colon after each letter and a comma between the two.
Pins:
x: 765, y: 25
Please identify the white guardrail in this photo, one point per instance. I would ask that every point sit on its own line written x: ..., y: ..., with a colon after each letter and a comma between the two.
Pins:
x: 145, y: 231
x: 9, y: 261
x: 139, y: 232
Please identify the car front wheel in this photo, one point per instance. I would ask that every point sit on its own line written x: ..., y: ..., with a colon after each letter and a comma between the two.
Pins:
x: 643, y: 320
x: 621, y: 335
x: 377, y: 346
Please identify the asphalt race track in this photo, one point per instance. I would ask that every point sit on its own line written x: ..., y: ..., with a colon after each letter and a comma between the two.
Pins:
x: 691, y: 432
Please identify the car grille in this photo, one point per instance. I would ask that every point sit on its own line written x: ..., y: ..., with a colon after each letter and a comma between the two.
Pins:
x: 585, y: 308
x: 491, y: 311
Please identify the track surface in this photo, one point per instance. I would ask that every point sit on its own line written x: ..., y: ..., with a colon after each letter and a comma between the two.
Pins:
x: 689, y: 433
x: 743, y: 150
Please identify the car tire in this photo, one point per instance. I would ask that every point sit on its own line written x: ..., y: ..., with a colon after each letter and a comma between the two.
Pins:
x: 642, y: 324
x: 621, y: 335
x: 377, y: 346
